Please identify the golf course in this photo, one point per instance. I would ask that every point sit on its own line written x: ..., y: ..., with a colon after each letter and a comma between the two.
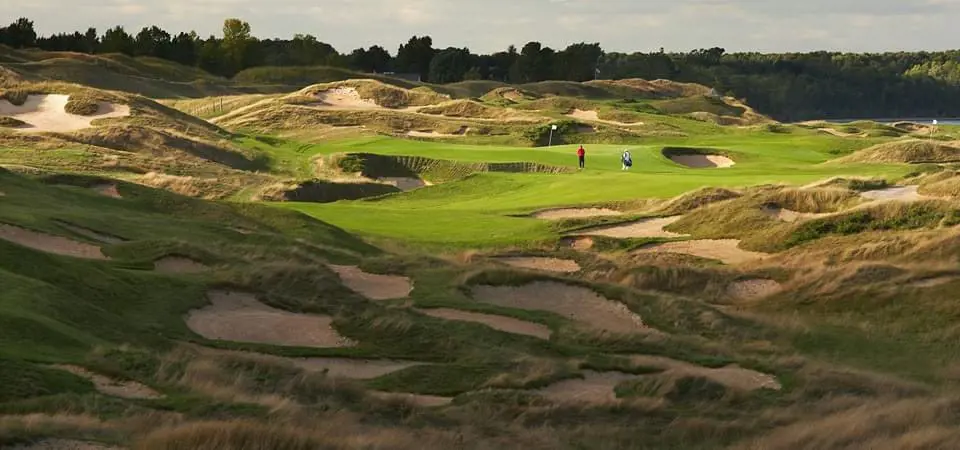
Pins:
x: 360, y: 261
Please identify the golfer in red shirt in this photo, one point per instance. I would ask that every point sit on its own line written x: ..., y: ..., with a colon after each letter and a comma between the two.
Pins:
x: 580, y: 154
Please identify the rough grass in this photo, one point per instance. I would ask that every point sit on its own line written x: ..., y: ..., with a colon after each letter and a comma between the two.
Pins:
x: 82, y: 105
x: 465, y: 108
x: 15, y: 96
x: 906, y: 151
x: 10, y: 122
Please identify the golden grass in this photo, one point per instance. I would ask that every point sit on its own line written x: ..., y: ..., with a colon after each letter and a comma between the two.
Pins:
x: 82, y: 105
x: 385, y: 95
x: 465, y: 108
x: 905, y: 151
x: 10, y: 122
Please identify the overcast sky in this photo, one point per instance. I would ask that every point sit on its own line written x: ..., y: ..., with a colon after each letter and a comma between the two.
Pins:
x: 492, y: 25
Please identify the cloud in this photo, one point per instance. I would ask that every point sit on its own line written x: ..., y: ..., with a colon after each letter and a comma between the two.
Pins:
x: 491, y: 25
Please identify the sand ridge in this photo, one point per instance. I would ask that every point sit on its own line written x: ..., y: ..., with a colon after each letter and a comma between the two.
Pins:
x: 108, y: 386
x: 541, y: 263
x: 50, y: 243
x: 373, y: 286
x: 240, y: 317
x: 575, y: 213
x: 787, y: 215
x: 724, y: 250
x: 62, y: 444
x: 896, y: 193
x: 345, y: 98
x: 594, y: 116
x: 576, y: 303
x: 356, y: 369
x: 497, y: 322
x: 426, y: 401
x: 702, y: 161
x: 731, y: 376
x: 433, y: 134
x: 644, y: 228
x: 404, y: 183
x: 47, y: 113
x: 753, y: 289
x: 178, y: 265
x: 595, y: 387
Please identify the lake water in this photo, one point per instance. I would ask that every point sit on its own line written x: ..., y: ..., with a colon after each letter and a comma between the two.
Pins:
x: 922, y: 120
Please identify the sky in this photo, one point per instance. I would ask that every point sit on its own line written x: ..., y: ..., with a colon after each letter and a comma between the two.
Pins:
x: 486, y: 26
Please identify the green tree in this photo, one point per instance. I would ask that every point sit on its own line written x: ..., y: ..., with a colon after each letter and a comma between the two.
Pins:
x: 19, y: 34
x: 578, y: 62
x: 416, y: 55
x: 450, y: 65
x: 117, y: 40
x: 237, y: 44
x: 153, y: 41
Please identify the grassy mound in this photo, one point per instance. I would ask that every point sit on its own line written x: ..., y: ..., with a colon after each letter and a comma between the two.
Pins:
x: 700, y: 103
x: 913, y: 151
x: 82, y: 105
x: 640, y: 88
x: 508, y: 96
x: 10, y: 122
x: 465, y: 108
x: 696, y: 199
x: 942, y: 184
x: 385, y: 95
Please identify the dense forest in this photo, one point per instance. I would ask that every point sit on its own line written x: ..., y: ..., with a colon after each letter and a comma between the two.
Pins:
x: 786, y: 86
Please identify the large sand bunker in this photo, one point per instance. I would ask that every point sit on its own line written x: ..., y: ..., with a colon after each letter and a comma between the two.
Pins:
x: 373, y: 286
x: 404, y: 183
x: 426, y: 401
x: 356, y: 369
x: 109, y: 386
x: 702, y: 161
x: 345, y: 98
x: 575, y: 213
x: 541, y: 263
x: 787, y: 215
x: 900, y: 194
x: 502, y: 323
x: 725, y: 250
x: 573, y: 302
x: 238, y: 316
x: 753, y: 289
x: 49, y: 243
x: 731, y: 376
x: 646, y: 228
x: 433, y: 134
x: 48, y: 113
x: 595, y: 387
x: 594, y: 116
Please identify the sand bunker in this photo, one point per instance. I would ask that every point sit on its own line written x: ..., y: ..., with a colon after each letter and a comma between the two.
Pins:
x: 502, y: 323
x: 932, y: 282
x: 177, y: 264
x: 91, y: 234
x: 373, y: 286
x: 109, y: 386
x: 594, y: 116
x: 49, y: 243
x: 543, y: 264
x: 900, y: 194
x: 47, y: 113
x: 581, y: 244
x: 62, y: 444
x: 404, y: 183
x: 753, y: 289
x: 595, y: 387
x: 731, y: 376
x: 238, y: 316
x: 787, y: 215
x: 345, y: 98
x: 356, y: 369
x: 725, y: 250
x: 646, y: 228
x: 109, y: 190
x: 575, y: 213
x: 433, y: 134
x: 426, y: 401
x: 573, y: 302
x: 702, y: 161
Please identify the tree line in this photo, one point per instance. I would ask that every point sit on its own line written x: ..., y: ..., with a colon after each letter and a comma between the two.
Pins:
x: 787, y: 86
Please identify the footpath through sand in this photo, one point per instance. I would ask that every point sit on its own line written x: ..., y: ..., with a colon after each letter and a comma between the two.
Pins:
x: 594, y: 116
x: 108, y: 386
x: 44, y: 113
x: 240, y: 317
x: 541, y: 263
x: 575, y: 213
x: 645, y: 228
x: 724, y: 250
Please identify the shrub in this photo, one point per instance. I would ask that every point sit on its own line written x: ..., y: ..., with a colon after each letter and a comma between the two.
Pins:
x: 82, y: 106
x: 10, y: 122
x: 15, y: 96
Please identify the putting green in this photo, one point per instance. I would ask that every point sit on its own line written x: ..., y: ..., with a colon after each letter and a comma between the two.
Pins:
x: 474, y: 211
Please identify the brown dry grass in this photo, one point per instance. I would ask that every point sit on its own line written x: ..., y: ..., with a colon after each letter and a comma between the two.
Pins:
x: 10, y: 122
x: 905, y: 151
x: 82, y: 105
